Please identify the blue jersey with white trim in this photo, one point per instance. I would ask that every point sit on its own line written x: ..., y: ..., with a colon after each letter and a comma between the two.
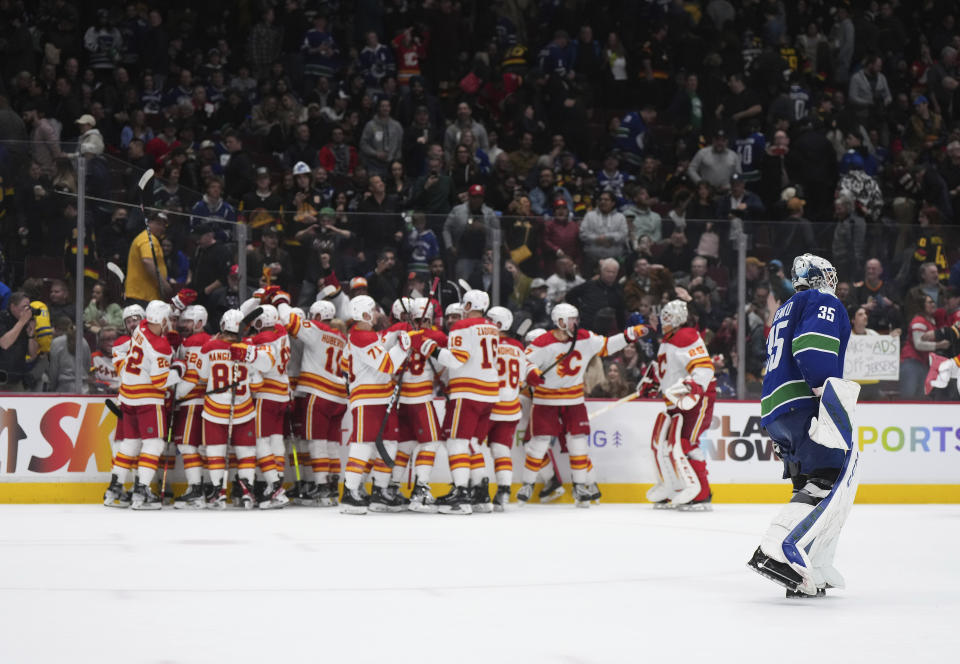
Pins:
x: 805, y: 346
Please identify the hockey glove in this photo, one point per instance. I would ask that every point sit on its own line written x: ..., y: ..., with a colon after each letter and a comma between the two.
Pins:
x: 404, y: 340
x: 184, y: 299
x: 243, y: 353
x: 280, y: 297
x: 173, y: 338
x: 635, y: 333
x: 179, y: 366
x: 692, y: 397
x: 534, y: 379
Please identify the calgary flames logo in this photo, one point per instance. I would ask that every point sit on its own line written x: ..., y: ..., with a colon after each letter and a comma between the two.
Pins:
x: 569, y: 365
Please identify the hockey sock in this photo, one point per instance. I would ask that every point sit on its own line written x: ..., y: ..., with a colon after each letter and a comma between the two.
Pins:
x: 279, y: 454
x: 192, y: 463
x: 478, y: 466
x: 458, y: 452
x: 426, y: 455
x: 333, y: 454
x: 304, y: 458
x: 149, y: 460
x: 579, y: 460
x: 535, y: 450
x: 502, y: 463
x: 357, y: 464
x: 402, y: 459
x: 546, y: 468
x: 319, y: 460
x: 699, y: 463
x: 126, y: 459
x: 266, y: 461
x: 216, y: 463
x: 381, y: 471
x: 247, y: 462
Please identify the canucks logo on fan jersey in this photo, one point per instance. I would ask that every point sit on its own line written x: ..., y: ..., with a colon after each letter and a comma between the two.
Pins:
x: 805, y: 346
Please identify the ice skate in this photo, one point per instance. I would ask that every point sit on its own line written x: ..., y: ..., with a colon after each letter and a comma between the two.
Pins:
x: 664, y: 504
x: 551, y: 490
x: 325, y: 495
x: 247, y: 499
x: 193, y: 499
x: 353, y: 502
x: 501, y: 499
x: 115, y: 496
x: 480, y: 497
x: 524, y: 494
x: 796, y: 594
x: 700, y: 505
x: 382, y: 501
x: 595, y: 494
x: 422, y: 500
x: 295, y: 492
x: 274, y: 497
x: 780, y: 573
x: 581, y: 495
x: 393, y: 493
x: 334, y: 484
x: 458, y: 501
x: 218, y: 500
x: 144, y: 498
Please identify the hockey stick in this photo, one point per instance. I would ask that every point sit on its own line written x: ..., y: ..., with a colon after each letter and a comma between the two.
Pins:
x: 619, y: 402
x: 142, y: 184
x: 456, y: 287
x: 576, y: 331
x: 118, y: 273
x: 465, y: 285
x: 166, y: 462
x: 524, y: 327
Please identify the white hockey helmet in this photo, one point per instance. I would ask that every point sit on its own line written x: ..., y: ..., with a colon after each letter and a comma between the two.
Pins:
x: 402, y: 306
x: 814, y: 272
x: 422, y: 308
x: 362, y: 308
x: 533, y: 334
x: 453, y: 309
x: 322, y: 310
x: 230, y: 322
x: 562, y: 314
x: 268, y: 317
x: 196, y: 314
x: 674, y: 314
x: 133, y: 311
x: 475, y: 300
x: 158, y: 312
x: 501, y: 317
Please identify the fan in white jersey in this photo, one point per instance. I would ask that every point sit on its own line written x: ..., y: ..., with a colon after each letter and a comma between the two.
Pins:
x: 562, y: 356
x: 147, y: 373
x: 686, y: 378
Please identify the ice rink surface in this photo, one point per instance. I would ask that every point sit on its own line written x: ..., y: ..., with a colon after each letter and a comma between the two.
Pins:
x: 548, y: 583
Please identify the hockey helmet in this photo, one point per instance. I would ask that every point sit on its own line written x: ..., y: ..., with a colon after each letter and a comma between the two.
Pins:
x: 230, y: 322
x: 422, y: 308
x: 362, y: 308
x: 322, y: 310
x: 195, y: 313
x: 475, y: 300
x: 158, y: 312
x: 814, y: 272
x: 501, y: 317
x: 268, y: 317
x: 454, y: 309
x: 673, y: 315
x: 533, y: 334
x: 562, y: 314
x: 401, y: 306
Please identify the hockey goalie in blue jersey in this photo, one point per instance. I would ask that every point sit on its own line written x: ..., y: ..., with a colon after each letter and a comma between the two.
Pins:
x: 807, y: 410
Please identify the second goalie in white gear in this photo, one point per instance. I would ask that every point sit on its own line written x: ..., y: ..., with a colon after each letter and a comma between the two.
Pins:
x: 685, y: 373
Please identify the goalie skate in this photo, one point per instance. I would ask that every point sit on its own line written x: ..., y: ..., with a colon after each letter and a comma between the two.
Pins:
x: 697, y: 505
x: 779, y: 573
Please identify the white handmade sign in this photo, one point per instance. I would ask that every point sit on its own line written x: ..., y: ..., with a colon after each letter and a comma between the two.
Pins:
x: 872, y: 357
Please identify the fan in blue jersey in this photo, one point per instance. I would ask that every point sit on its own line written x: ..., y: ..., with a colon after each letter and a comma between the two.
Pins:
x: 806, y: 409
x: 751, y: 149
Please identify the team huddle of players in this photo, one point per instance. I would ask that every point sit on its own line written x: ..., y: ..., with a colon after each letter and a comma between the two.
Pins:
x: 267, y: 398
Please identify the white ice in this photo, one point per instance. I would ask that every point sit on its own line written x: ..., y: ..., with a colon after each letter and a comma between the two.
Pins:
x: 548, y: 583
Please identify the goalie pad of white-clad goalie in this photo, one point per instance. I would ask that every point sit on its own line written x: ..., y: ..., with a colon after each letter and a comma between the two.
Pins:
x: 663, y: 489
x: 687, y: 482
x: 832, y: 428
x: 804, y: 534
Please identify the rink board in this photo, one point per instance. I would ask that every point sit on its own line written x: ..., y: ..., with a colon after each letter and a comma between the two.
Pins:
x: 57, y: 449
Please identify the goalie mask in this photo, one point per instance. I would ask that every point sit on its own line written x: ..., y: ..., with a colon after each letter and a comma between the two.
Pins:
x: 814, y: 272
x: 673, y: 314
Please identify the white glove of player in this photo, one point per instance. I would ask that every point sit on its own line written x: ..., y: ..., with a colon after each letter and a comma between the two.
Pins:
x: 427, y: 347
x: 404, y: 340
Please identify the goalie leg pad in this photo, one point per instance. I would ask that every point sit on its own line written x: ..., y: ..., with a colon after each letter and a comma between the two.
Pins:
x: 659, y: 491
x: 684, y: 478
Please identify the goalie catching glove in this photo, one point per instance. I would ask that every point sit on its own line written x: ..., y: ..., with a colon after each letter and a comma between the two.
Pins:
x: 243, y: 353
x: 684, y: 394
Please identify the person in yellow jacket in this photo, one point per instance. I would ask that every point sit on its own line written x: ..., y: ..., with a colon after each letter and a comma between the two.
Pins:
x: 144, y: 263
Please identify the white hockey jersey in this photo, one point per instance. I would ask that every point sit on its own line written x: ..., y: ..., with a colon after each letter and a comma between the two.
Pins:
x: 320, y: 371
x: 370, y: 368
x: 189, y: 352
x: 273, y: 384
x: 563, y: 383
x: 513, y: 365
x: 119, y: 352
x: 683, y: 354
x: 104, y: 371
x: 215, y: 374
x: 146, y: 369
x: 471, y: 359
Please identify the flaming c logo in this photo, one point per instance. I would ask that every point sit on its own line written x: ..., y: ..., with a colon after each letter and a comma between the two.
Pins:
x: 566, y: 366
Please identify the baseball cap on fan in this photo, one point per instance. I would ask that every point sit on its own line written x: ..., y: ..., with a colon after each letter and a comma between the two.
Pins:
x: 476, y: 190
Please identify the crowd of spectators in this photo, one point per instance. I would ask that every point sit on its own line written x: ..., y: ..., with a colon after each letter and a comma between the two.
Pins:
x: 618, y: 152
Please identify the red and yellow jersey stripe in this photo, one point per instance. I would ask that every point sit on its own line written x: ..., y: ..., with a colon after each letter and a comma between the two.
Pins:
x: 271, y: 386
x: 143, y: 392
x: 548, y: 394
x: 704, y: 362
x: 315, y: 383
x: 242, y: 410
x: 371, y: 392
x: 506, y: 410
x: 415, y: 390
x: 474, y: 386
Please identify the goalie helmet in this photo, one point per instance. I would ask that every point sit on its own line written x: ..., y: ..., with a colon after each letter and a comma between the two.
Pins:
x: 673, y: 314
x: 362, y: 308
x: 402, y: 306
x: 158, y: 312
x: 814, y: 272
x: 268, y: 318
x: 195, y: 314
x: 230, y: 322
x: 501, y: 317
x: 562, y: 314
x: 322, y: 310
x: 475, y: 300
x: 533, y: 334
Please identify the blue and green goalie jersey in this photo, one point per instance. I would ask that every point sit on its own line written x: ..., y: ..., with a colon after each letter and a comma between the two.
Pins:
x: 805, y: 346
